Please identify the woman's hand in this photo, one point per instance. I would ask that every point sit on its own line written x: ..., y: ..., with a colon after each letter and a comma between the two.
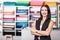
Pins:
x: 38, y: 31
x: 33, y: 30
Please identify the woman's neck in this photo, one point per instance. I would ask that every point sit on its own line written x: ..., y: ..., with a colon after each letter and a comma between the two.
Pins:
x: 44, y: 18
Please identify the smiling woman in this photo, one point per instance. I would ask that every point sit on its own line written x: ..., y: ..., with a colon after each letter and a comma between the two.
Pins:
x: 43, y: 26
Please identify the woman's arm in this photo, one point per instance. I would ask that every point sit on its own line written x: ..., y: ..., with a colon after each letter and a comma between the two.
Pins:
x: 48, y: 30
x: 33, y: 29
x: 34, y: 33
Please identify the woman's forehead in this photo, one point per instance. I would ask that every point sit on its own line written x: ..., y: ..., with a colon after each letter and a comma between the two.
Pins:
x: 44, y: 7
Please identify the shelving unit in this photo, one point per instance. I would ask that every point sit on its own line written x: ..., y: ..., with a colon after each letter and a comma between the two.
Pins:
x: 34, y: 14
x: 54, y: 15
x: 59, y: 15
x: 9, y: 21
x: 16, y: 16
x: 21, y: 18
x: 34, y: 11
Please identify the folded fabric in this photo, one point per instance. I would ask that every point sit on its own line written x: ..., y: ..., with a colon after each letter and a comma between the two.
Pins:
x: 9, y: 26
x: 54, y: 16
x: 25, y: 3
x: 8, y: 18
x: 36, y: 3
x: 21, y: 20
x: 21, y: 10
x: 21, y: 24
x: 9, y: 12
x: 24, y: 17
x: 21, y: 13
x: 9, y: 23
x: 9, y: 3
x: 51, y: 3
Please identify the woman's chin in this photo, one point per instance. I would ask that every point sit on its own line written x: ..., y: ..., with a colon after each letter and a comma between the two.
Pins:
x: 44, y: 16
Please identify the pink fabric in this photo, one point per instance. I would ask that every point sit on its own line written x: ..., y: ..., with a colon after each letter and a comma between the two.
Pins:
x: 36, y: 3
x: 9, y: 18
x: 37, y: 0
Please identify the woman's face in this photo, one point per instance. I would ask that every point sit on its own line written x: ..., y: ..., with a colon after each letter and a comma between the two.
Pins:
x: 44, y: 11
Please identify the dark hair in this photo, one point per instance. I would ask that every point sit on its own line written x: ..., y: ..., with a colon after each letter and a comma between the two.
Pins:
x: 48, y: 15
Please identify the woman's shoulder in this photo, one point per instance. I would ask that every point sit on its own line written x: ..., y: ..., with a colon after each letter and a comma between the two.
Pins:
x: 51, y: 21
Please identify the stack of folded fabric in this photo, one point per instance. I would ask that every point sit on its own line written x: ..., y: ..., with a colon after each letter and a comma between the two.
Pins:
x: 9, y: 18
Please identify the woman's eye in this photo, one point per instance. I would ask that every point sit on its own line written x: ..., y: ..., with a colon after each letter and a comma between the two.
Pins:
x: 45, y: 10
x: 42, y: 10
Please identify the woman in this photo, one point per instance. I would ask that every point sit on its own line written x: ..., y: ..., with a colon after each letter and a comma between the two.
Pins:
x: 43, y: 26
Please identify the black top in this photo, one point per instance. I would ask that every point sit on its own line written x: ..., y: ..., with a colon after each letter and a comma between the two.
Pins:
x: 44, y: 27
